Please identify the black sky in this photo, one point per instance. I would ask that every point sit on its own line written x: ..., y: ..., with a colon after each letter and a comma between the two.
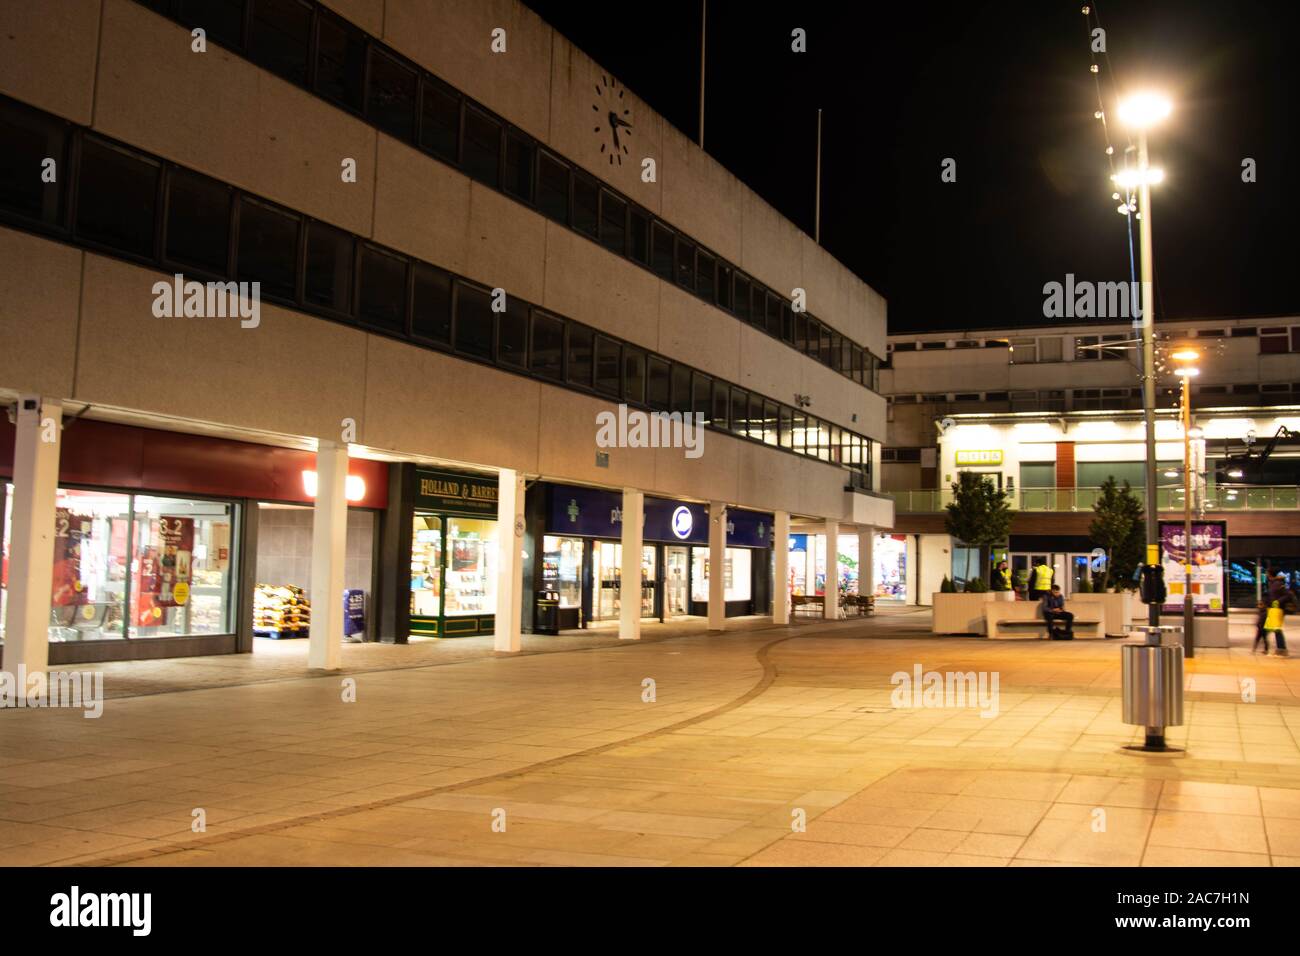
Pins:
x: 1005, y: 89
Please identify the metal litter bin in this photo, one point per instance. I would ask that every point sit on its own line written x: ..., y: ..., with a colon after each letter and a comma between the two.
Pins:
x: 1153, y: 685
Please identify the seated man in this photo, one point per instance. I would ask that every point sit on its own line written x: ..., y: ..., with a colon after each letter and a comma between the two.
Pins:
x: 1053, y: 608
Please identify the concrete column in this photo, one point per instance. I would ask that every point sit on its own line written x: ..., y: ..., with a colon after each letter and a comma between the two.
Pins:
x: 629, y: 611
x: 329, y: 537
x: 717, y: 566
x: 32, y: 535
x: 508, y: 626
x: 781, y: 572
x: 831, y: 602
x: 866, y: 560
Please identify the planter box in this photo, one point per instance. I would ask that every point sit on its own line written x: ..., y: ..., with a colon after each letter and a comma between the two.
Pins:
x: 960, y: 613
x: 1119, y: 609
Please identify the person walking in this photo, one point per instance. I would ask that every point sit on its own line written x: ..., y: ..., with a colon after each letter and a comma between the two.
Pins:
x: 1274, y: 617
x: 1053, y: 609
x: 1041, y: 580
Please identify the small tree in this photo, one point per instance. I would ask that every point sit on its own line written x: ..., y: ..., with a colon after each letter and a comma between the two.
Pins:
x: 1118, y: 528
x: 978, y: 515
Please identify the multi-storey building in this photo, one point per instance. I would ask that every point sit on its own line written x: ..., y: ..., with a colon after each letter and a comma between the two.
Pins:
x: 1049, y: 413
x: 470, y: 241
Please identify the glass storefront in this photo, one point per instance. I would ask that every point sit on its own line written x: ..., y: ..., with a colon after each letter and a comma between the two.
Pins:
x: 426, y: 566
x: 891, y: 567
x: 453, y: 574
x: 562, y: 569
x: 137, y: 566
x: 676, y: 578
x: 738, y: 571
x: 607, y: 570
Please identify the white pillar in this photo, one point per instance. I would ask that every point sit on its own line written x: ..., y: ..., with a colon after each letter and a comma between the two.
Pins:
x: 329, y: 536
x: 629, y: 613
x: 831, y: 601
x: 717, y: 566
x: 781, y: 572
x: 31, y: 539
x: 508, y: 626
x: 866, y: 560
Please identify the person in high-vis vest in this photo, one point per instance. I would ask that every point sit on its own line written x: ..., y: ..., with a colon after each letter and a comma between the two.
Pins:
x: 1040, y: 581
x: 1002, y: 577
x: 1274, y: 615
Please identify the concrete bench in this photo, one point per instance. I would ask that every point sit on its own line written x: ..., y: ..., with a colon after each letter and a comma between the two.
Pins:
x: 1005, y: 621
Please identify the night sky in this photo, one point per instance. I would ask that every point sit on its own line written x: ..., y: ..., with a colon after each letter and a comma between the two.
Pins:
x: 1006, y: 90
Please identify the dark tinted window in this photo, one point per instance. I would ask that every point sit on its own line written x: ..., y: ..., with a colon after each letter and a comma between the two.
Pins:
x: 586, y: 201
x: 724, y: 286
x: 548, y: 346
x: 117, y: 194
x: 280, y: 36
x: 607, y: 365
x: 519, y: 165
x: 613, y: 222
x: 340, y: 62
x: 198, y: 221
x: 755, y: 429
x: 681, y: 396
x: 221, y: 20
x: 721, y: 401
x: 633, y: 374
x: 686, y: 264
x: 390, y: 96
x: 382, y: 302
x: 662, y: 244
x: 27, y: 139
x: 739, y: 411
x: 581, y: 356
x: 787, y: 323
x: 553, y: 188
x: 742, y: 297
x: 835, y: 351
x: 440, y: 121
x: 773, y: 315
x: 639, y: 236
x: 801, y: 331
x: 512, y: 334
x: 814, y: 339
x: 481, y: 155
x: 857, y: 365
x: 431, y: 308
x: 268, y: 248
x: 702, y: 403
x: 328, y: 282
x: 474, y: 320
x: 705, y: 268
x: 657, y: 382
x: 826, y: 345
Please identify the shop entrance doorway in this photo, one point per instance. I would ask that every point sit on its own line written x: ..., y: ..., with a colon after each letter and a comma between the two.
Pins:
x: 677, y: 582
x: 607, y: 574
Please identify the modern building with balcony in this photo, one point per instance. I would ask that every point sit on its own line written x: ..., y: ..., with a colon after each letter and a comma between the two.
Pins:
x: 1048, y: 414
x: 469, y: 242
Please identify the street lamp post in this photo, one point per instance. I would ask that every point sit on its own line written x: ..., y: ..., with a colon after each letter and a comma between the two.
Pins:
x: 1186, y: 372
x: 1140, y: 112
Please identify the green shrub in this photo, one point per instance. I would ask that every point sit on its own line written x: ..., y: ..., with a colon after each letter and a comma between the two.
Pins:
x: 976, y: 586
x: 947, y: 587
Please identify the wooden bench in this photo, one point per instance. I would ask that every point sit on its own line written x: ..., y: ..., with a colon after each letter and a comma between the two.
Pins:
x: 1007, y: 621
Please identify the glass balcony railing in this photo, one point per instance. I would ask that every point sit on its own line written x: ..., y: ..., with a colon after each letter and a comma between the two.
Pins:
x: 1218, y: 498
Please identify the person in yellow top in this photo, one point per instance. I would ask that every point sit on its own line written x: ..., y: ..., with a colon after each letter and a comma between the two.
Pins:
x: 1273, y: 616
x: 1040, y: 580
x: 1002, y: 577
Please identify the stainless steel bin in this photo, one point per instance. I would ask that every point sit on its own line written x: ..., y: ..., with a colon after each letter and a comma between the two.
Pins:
x: 1153, y: 685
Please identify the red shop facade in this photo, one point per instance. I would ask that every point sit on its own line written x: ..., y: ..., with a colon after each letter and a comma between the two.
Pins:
x: 172, y: 545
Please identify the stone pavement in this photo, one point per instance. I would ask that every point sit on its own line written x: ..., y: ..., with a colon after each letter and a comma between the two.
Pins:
x: 748, y: 732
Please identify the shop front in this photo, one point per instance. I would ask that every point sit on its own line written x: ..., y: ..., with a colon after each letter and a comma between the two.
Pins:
x: 161, y: 541
x: 579, y: 563
x: 453, y: 556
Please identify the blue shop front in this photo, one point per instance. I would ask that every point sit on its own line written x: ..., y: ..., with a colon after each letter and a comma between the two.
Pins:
x: 576, y: 552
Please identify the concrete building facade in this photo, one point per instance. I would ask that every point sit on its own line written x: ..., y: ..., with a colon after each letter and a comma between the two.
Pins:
x: 470, y: 241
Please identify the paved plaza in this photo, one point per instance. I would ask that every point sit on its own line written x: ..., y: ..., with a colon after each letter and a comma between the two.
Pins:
x: 683, y: 749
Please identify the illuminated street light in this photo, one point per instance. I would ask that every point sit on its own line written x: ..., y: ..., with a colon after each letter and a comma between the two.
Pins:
x: 1130, y: 178
x: 1187, y: 372
x: 1143, y: 110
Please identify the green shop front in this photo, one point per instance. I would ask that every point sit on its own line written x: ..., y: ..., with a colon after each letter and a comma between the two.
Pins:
x: 453, y: 573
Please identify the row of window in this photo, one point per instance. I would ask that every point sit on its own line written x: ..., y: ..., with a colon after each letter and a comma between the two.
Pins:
x: 139, y: 207
x: 307, y: 45
x: 1033, y: 349
x: 1102, y: 396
